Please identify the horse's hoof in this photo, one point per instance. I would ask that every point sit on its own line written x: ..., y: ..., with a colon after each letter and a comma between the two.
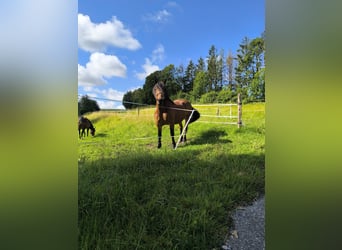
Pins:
x: 159, y: 145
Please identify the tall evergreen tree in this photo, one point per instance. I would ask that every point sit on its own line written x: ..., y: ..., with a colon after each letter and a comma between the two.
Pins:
x: 189, y: 77
x: 246, y: 76
x: 212, y: 69
x: 230, y: 69
x: 250, y: 60
x: 168, y: 77
x: 200, y: 67
x: 243, y: 74
x: 215, y: 69
x: 179, y: 77
x: 257, y: 47
x: 257, y: 89
x: 200, y: 85
x: 221, y: 67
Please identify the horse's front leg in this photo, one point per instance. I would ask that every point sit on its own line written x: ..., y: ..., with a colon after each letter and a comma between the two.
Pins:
x: 172, y: 133
x: 159, y: 136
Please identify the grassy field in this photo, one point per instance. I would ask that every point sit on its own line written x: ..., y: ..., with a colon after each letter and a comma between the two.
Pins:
x: 135, y: 196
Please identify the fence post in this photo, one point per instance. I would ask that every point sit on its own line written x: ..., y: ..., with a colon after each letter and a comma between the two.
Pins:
x: 218, y: 111
x: 239, y: 111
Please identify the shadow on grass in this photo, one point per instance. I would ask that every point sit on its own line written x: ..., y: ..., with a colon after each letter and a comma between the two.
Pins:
x: 173, y: 196
x: 211, y: 136
x: 100, y: 135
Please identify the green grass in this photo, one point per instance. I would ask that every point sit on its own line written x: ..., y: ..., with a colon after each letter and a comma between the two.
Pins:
x: 135, y: 196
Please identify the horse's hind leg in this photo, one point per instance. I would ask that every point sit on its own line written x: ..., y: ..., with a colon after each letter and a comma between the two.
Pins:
x: 172, y: 133
x: 181, y: 131
x: 159, y: 136
x: 83, y: 132
x: 186, y: 130
x: 183, y: 137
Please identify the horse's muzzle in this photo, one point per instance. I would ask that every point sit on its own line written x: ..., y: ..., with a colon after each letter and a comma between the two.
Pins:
x: 160, y: 101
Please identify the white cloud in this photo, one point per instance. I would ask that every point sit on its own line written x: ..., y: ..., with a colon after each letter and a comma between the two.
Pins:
x: 96, y: 37
x: 159, y: 17
x: 135, y: 88
x: 149, y: 68
x: 158, y: 53
x: 99, y: 67
x: 114, y: 97
x: 88, y: 88
x: 174, y: 5
x: 110, y: 105
x: 150, y: 64
x: 112, y: 94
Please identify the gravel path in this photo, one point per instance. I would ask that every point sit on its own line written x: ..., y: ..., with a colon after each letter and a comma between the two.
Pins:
x: 249, y: 228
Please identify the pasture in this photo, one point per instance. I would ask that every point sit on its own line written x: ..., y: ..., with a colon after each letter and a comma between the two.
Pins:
x: 135, y: 196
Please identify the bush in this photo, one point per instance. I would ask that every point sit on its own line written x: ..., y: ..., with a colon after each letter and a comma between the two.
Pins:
x: 209, y: 97
x: 225, y: 96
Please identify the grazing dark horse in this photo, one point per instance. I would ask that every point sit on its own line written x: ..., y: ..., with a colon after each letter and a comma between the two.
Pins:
x: 83, y: 124
x: 170, y: 112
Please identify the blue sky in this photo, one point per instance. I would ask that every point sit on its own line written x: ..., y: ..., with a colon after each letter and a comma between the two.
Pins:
x: 121, y: 42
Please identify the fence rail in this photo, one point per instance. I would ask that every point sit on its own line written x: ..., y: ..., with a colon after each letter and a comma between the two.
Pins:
x: 219, y: 106
x: 234, y: 115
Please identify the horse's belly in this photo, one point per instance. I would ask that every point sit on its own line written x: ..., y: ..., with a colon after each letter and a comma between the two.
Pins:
x: 164, y: 119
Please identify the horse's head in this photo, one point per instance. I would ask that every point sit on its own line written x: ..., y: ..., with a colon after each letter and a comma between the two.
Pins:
x: 92, y: 131
x: 159, y: 92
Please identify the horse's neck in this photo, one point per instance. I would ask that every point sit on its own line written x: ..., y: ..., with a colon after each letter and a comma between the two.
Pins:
x: 162, y: 108
x: 169, y: 103
x: 159, y: 108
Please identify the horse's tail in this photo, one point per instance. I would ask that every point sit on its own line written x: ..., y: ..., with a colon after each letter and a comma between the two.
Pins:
x: 195, y: 116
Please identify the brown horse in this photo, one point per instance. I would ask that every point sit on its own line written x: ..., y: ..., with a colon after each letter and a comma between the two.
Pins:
x: 83, y: 124
x: 170, y: 112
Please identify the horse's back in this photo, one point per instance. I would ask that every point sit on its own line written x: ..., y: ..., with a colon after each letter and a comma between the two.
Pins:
x: 84, y: 122
x: 184, y: 103
x: 80, y: 119
x: 187, y: 105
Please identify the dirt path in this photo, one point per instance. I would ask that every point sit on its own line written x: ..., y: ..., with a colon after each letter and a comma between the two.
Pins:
x: 249, y: 228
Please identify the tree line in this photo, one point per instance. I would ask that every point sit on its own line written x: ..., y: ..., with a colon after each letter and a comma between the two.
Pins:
x: 217, y: 78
